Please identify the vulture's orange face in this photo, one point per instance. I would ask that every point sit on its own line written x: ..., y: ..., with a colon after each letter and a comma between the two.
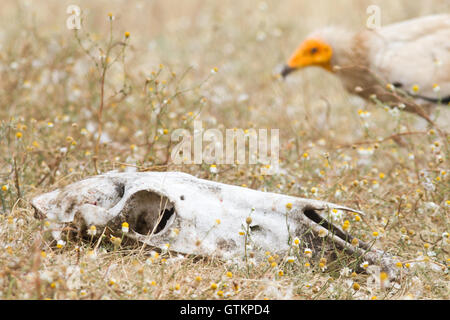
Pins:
x: 312, y: 52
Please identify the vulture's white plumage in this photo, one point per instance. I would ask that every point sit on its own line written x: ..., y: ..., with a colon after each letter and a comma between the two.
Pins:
x: 406, y: 62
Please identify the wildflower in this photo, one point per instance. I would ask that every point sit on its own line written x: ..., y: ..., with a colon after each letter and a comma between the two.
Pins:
x: 154, y: 254
x: 214, y: 70
x: 176, y: 289
x: 308, y: 252
x: 213, y: 286
x: 375, y: 234
x: 305, y: 156
x: 390, y: 86
x: 296, y: 242
x: 218, y: 221
x: 174, y: 232
x: 289, y: 206
x: 355, y: 242
x: 198, y: 278
x: 248, y: 220
x: 399, y: 265
x: 213, y: 168
x: 116, y: 241
x: 60, y: 243
x: 111, y: 281
x: 290, y: 259
x: 436, y: 87
x: 125, y: 227
x: 127, y: 34
x: 110, y: 16
x: 19, y: 135
x: 280, y: 273
x: 364, y: 265
x: 323, y: 233
x: 91, y: 254
x: 322, y: 266
x: 92, y: 231
x: 346, y: 225
x: 307, y: 265
x: 415, y: 88
x: 336, y: 214
x: 384, y: 279
x: 356, y: 286
x: 229, y: 274
x: 5, y: 188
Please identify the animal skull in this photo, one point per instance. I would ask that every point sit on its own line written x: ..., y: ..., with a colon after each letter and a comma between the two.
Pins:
x: 208, y: 217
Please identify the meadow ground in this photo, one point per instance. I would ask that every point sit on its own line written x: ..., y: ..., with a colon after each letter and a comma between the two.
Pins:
x: 142, y: 69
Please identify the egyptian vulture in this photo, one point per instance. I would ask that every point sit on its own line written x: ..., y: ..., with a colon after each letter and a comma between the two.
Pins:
x: 406, y: 64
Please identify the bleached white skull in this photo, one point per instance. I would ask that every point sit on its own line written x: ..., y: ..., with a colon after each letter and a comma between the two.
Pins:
x: 208, y: 218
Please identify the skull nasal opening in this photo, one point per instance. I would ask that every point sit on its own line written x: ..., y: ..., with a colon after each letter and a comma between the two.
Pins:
x: 148, y: 212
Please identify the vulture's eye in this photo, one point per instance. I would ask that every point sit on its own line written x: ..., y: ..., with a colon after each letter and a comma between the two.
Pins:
x: 314, y: 50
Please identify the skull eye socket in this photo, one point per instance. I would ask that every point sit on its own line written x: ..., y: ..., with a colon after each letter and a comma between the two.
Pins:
x: 148, y: 213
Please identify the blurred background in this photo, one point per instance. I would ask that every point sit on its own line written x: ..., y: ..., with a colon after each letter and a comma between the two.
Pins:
x: 246, y: 40
x: 48, y: 76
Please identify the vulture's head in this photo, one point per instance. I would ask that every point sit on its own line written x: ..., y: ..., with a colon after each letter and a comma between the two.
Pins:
x: 318, y: 49
x: 312, y: 52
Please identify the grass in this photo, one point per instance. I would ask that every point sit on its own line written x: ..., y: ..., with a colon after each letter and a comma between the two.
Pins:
x: 74, y: 105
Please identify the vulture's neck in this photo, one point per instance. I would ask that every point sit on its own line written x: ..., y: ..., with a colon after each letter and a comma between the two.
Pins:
x: 346, y: 45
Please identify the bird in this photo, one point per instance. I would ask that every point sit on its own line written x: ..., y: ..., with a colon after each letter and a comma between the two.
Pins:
x: 404, y: 65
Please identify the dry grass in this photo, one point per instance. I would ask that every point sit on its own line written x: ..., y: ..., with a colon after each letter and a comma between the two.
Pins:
x: 51, y: 96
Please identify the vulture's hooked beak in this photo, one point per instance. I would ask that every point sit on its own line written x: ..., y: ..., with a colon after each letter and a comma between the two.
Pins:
x: 287, y: 70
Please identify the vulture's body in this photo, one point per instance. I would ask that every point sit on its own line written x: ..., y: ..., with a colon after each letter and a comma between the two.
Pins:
x: 405, y: 63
